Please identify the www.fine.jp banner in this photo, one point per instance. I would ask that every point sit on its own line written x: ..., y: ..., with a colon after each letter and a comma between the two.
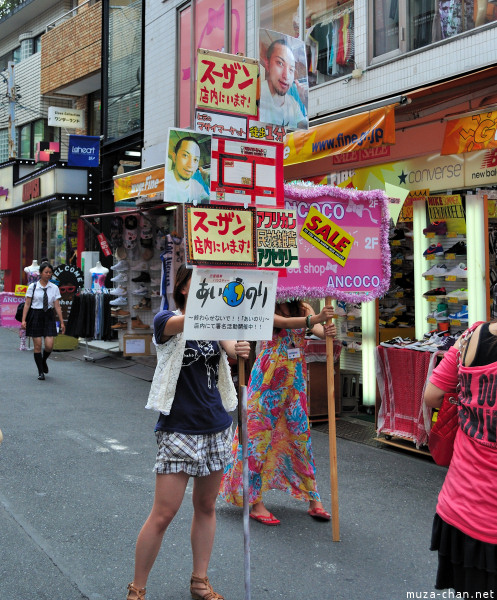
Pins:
x: 366, y: 130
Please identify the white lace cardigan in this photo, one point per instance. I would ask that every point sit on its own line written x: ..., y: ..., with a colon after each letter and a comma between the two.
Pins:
x: 169, y: 361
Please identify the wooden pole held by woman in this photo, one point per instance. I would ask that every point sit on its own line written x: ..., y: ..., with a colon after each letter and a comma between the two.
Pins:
x: 332, y: 435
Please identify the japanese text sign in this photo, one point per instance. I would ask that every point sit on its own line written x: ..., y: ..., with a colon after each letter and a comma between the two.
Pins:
x: 277, y: 239
x: 221, y: 124
x: 229, y: 305
x: 266, y: 132
x: 227, y: 82
x: 347, y: 256
x: 471, y: 133
x: 246, y: 172
x: 217, y: 235
x: 327, y: 236
x: 70, y: 118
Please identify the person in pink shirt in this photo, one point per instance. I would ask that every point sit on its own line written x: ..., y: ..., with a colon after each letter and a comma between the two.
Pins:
x: 465, y: 524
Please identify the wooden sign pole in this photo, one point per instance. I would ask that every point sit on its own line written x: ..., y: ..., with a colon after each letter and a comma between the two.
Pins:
x: 332, y: 436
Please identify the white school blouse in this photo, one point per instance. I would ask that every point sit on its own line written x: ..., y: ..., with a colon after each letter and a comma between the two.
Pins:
x: 53, y: 294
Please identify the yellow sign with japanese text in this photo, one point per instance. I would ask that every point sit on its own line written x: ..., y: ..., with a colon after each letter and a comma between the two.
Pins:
x: 448, y: 209
x: 327, y: 236
x: 220, y: 236
x: 227, y: 82
x: 468, y: 134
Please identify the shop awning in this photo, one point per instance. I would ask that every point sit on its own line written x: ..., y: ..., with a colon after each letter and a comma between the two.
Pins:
x: 39, y: 203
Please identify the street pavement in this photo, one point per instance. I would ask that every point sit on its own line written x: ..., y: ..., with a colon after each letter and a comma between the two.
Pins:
x: 76, y: 485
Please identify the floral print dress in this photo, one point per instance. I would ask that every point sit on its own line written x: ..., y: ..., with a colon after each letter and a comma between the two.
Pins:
x: 279, y: 445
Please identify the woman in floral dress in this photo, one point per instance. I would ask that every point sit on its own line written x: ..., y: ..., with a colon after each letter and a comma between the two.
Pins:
x: 279, y: 443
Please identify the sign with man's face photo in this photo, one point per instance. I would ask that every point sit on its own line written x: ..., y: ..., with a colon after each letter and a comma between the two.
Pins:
x: 284, y: 84
x: 188, y: 167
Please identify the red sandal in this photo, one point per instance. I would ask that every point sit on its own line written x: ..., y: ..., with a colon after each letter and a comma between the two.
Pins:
x: 319, y: 514
x: 265, y: 519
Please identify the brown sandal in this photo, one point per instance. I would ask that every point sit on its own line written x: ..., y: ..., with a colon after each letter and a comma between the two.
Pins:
x: 210, y: 593
x: 135, y: 593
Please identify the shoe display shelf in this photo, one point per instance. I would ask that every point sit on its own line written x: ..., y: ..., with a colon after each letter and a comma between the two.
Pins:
x: 446, y: 267
x: 396, y: 308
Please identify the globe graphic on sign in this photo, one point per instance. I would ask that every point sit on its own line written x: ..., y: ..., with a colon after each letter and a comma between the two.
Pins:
x: 234, y: 293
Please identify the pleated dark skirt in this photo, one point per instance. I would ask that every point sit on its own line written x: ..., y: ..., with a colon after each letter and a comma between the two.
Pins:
x: 464, y: 564
x: 40, y: 323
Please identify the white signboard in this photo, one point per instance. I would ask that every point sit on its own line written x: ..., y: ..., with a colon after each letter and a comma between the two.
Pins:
x: 226, y: 304
x: 221, y: 125
x: 70, y: 118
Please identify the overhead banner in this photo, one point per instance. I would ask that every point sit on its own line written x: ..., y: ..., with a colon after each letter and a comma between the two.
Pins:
x: 468, y: 134
x: 226, y: 82
x: 343, y: 244
x: 147, y: 182
x: 366, y: 130
x: 225, y: 304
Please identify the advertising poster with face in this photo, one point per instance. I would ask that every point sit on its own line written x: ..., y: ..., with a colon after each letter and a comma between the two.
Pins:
x: 188, y: 167
x: 284, y: 83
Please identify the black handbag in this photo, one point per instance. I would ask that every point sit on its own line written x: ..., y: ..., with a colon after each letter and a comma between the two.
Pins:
x: 20, y: 308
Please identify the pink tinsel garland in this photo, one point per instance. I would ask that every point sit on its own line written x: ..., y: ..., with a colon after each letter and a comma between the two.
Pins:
x: 305, y: 191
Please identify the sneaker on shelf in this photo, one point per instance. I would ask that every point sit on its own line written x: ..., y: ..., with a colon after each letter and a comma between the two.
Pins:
x: 461, y: 315
x: 439, y: 270
x: 355, y: 329
x: 144, y: 304
x: 122, y: 265
x: 459, y: 271
x: 141, y: 290
x: 143, y: 277
x: 437, y: 227
x: 430, y: 271
x: 447, y: 342
x: 460, y: 294
x: 120, y: 278
x: 119, y: 312
x: 119, y: 301
x: 141, y: 266
x: 392, y: 343
x: 357, y: 346
x: 136, y: 323
x: 434, y: 250
x: 120, y: 325
x: 459, y: 249
x: 119, y: 291
x: 441, y: 291
x: 354, y: 312
x: 441, y: 315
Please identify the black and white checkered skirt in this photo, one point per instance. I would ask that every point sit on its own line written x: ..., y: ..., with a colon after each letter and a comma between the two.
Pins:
x: 40, y: 323
x: 196, y: 455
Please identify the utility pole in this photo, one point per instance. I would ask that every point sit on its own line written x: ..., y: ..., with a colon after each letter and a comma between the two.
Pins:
x: 11, y: 95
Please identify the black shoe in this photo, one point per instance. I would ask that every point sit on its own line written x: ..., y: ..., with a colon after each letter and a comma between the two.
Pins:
x: 45, y: 367
x: 142, y: 278
x: 41, y: 377
x: 459, y: 249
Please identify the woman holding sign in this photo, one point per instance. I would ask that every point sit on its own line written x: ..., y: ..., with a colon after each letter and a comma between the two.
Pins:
x: 193, y: 390
x: 279, y: 441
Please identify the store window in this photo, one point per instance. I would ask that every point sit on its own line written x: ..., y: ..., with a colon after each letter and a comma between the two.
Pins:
x: 329, y: 34
x: 400, y: 26
x: 209, y: 33
x: 124, y: 69
x: 32, y: 133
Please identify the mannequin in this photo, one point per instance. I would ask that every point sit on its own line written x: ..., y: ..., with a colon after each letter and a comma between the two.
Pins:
x: 32, y: 274
x: 98, y: 275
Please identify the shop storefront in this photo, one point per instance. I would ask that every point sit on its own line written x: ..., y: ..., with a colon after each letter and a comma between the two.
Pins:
x: 444, y: 171
x: 40, y: 210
